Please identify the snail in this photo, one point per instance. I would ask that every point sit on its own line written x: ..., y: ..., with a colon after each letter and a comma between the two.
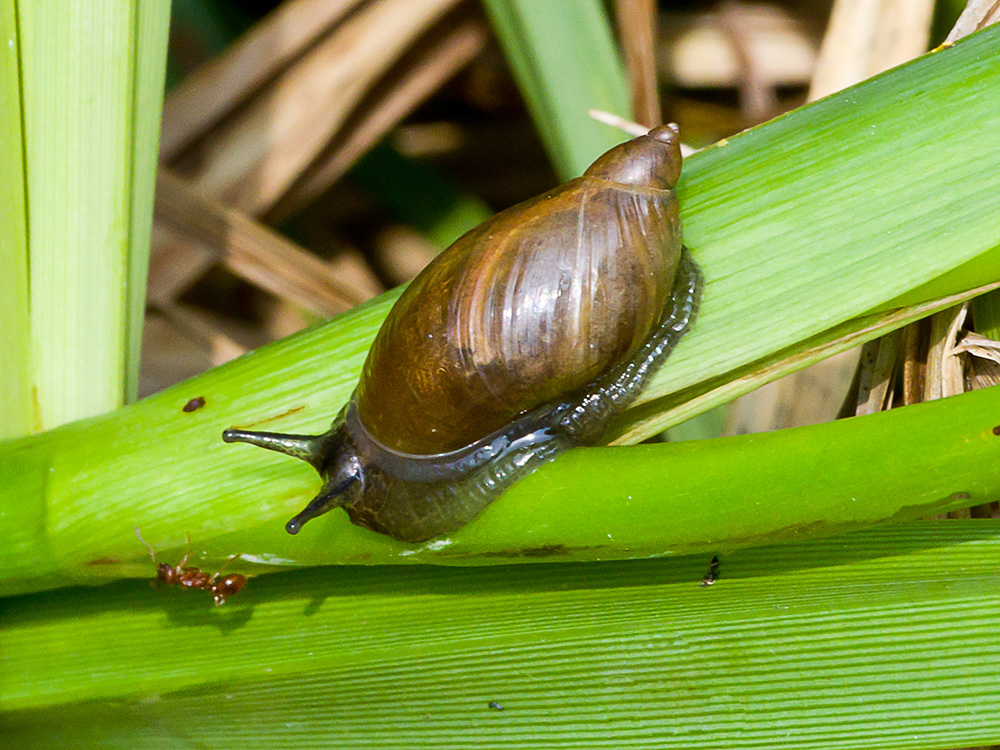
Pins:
x: 521, y: 340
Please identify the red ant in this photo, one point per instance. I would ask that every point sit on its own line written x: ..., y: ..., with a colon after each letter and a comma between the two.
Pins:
x: 194, y: 578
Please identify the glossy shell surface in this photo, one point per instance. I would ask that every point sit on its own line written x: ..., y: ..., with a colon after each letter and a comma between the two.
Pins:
x: 536, y: 303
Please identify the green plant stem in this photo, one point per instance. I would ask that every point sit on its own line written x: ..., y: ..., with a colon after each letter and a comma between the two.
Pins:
x: 637, y: 502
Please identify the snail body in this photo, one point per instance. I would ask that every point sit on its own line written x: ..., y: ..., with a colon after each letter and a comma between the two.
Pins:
x: 521, y: 340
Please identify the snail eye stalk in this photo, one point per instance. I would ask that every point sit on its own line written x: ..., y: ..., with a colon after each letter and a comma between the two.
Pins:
x: 305, y: 447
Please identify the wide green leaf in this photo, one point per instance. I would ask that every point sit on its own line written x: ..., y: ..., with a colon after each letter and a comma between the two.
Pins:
x: 877, y: 639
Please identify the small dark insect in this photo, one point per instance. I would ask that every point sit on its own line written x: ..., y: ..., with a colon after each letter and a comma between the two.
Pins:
x: 996, y: 430
x: 194, y: 578
x: 194, y: 404
x: 713, y: 573
x: 495, y: 706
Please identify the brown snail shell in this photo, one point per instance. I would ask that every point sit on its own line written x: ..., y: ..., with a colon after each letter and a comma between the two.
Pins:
x: 521, y: 340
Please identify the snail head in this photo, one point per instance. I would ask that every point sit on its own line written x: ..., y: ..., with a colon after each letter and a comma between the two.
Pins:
x: 652, y: 160
x: 331, y: 454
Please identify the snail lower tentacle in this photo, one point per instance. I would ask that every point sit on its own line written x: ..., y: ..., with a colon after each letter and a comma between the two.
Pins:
x: 523, y: 339
x: 333, y: 495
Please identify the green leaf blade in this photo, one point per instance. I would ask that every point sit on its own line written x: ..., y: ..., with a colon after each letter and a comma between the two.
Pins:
x: 808, y: 218
x: 92, y: 86
x: 149, y: 70
x: 856, y: 641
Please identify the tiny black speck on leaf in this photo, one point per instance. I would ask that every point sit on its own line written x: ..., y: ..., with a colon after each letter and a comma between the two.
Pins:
x: 194, y: 404
x: 713, y: 573
x: 495, y: 706
x: 996, y: 430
